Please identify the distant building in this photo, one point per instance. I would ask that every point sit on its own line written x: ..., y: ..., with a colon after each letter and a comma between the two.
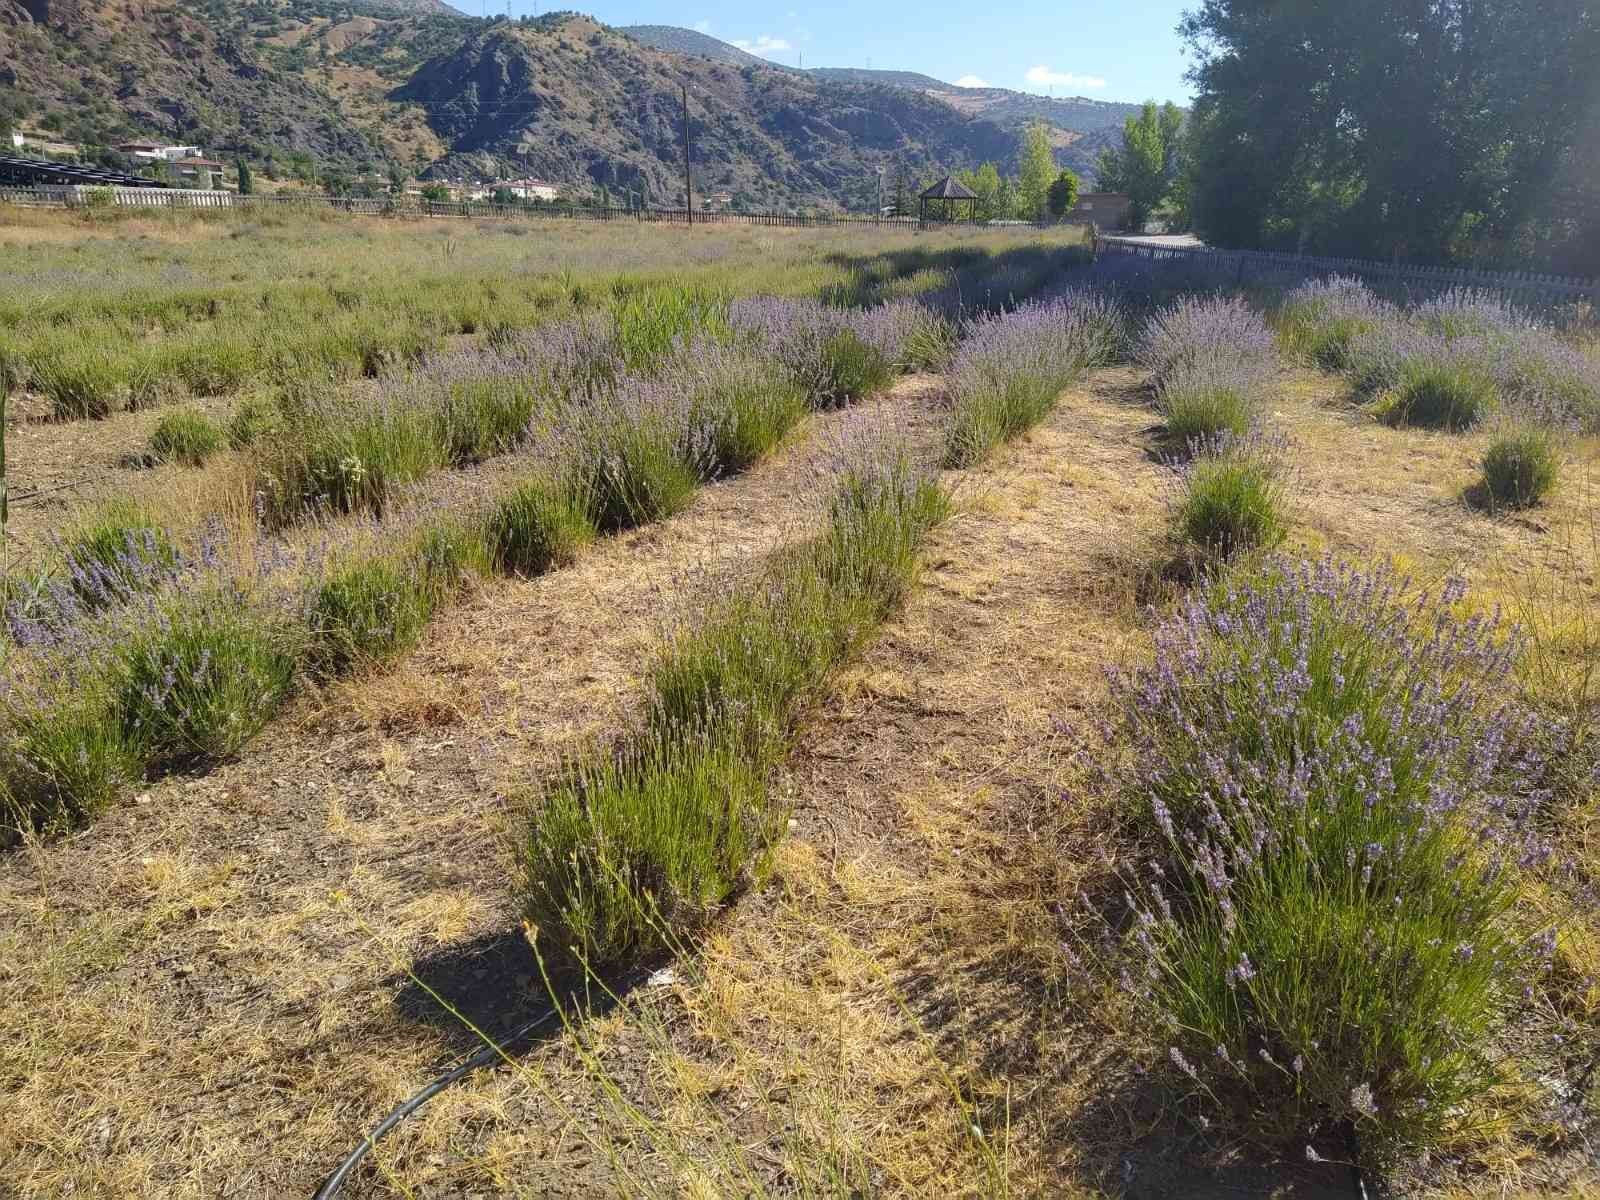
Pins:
x: 1107, y: 210
x: 159, y: 151
x: 531, y: 189
x: 17, y: 140
x: 718, y: 200
x: 204, y: 172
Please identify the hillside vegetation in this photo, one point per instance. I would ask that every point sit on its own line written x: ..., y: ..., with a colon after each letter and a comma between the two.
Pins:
x: 323, y: 88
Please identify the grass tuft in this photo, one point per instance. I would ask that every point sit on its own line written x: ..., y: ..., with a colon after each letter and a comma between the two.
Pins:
x: 186, y: 436
x: 1439, y: 395
x: 1230, y: 499
x: 1521, y: 466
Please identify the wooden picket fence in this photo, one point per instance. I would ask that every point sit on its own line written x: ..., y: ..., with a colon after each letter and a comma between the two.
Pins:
x: 1239, y: 267
x: 413, y: 206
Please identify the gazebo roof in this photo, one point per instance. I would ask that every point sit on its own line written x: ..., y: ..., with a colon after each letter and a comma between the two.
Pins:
x: 949, y: 189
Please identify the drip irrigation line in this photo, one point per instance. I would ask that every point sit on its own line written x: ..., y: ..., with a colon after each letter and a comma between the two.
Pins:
x: 1358, y: 1182
x: 497, y: 1048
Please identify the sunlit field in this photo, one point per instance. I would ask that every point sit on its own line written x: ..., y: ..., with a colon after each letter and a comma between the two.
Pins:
x: 817, y: 712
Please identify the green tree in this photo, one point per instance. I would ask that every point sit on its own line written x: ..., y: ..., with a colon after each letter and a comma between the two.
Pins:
x: 903, y: 206
x: 1038, y: 168
x: 985, y: 183
x: 1008, y: 205
x: 247, y: 180
x: 1063, y: 194
x: 436, y: 192
x: 1145, y: 166
x: 1437, y: 131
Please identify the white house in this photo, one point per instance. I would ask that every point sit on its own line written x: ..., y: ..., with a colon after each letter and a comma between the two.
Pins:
x: 159, y: 151
x: 531, y: 189
x: 17, y: 140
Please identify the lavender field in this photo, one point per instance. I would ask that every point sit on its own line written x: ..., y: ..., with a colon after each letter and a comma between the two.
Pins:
x: 797, y: 712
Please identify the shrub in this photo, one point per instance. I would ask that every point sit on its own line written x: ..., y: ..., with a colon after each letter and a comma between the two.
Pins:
x: 640, y: 454
x: 1336, y: 792
x: 1205, y: 410
x: 1521, y: 466
x: 1202, y: 335
x: 1230, y: 498
x: 368, y: 614
x: 200, y: 679
x: 348, y: 461
x: 118, y: 551
x: 486, y: 416
x: 80, y: 381
x: 63, y: 757
x: 745, y: 407
x: 254, y: 418
x: 373, y: 611
x: 1011, y: 368
x: 1321, y: 320
x: 634, y: 846
x: 836, y: 357
x: 541, y: 524
x: 185, y: 436
x: 1440, y: 395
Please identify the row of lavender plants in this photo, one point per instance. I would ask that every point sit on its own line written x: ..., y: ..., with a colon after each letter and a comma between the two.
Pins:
x: 1461, y: 360
x: 139, y: 656
x: 1335, y: 803
x: 637, y: 842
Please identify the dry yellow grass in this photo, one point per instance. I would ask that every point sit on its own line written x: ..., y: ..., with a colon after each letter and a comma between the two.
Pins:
x: 218, y: 989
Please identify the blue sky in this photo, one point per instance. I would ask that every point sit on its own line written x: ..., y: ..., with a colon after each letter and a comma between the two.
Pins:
x: 1125, y: 50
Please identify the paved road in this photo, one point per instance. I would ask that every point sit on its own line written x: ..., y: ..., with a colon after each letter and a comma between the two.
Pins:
x: 1176, y: 241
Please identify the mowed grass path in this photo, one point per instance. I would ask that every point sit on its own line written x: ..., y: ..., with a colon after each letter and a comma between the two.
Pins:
x: 207, y: 987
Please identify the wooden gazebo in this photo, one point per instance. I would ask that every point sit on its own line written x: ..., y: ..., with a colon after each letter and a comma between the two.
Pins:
x: 952, y: 193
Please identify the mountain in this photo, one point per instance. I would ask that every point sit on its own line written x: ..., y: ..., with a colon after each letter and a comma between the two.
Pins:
x: 903, y: 79
x: 327, y: 87
x: 102, y: 70
x: 674, y: 40
x: 569, y: 99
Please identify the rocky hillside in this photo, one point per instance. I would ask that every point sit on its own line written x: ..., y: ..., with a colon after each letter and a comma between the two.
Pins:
x: 568, y: 99
x: 341, y: 86
x: 97, y: 71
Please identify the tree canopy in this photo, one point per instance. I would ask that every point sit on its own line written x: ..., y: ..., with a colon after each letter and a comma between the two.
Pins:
x: 1423, y: 129
x: 1036, y: 169
x: 1145, y: 169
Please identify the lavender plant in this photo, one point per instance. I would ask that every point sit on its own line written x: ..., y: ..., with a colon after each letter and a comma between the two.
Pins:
x: 1210, y: 360
x: 1320, y: 319
x: 821, y: 348
x: 1010, y: 369
x: 117, y: 551
x: 1230, y: 496
x: 634, y: 845
x: 1340, y: 800
x: 198, y: 676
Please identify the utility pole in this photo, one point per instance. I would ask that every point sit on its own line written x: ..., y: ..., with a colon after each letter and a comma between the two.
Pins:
x: 688, y: 186
x: 880, y: 190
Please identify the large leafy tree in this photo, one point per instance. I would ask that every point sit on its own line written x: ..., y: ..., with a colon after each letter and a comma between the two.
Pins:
x: 1145, y: 167
x: 1429, y: 129
x: 1037, y: 170
x: 1063, y: 194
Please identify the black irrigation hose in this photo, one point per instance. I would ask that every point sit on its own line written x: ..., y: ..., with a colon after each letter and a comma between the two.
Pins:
x: 482, y: 1058
x: 1358, y: 1183
x: 497, y: 1048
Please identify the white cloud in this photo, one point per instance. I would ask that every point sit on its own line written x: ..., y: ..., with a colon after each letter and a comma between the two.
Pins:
x: 702, y: 25
x: 1045, y: 77
x: 766, y: 45
x: 972, y: 81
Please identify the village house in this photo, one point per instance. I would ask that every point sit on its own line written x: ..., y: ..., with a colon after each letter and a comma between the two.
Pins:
x: 1106, y: 210
x: 159, y: 151
x: 531, y: 189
